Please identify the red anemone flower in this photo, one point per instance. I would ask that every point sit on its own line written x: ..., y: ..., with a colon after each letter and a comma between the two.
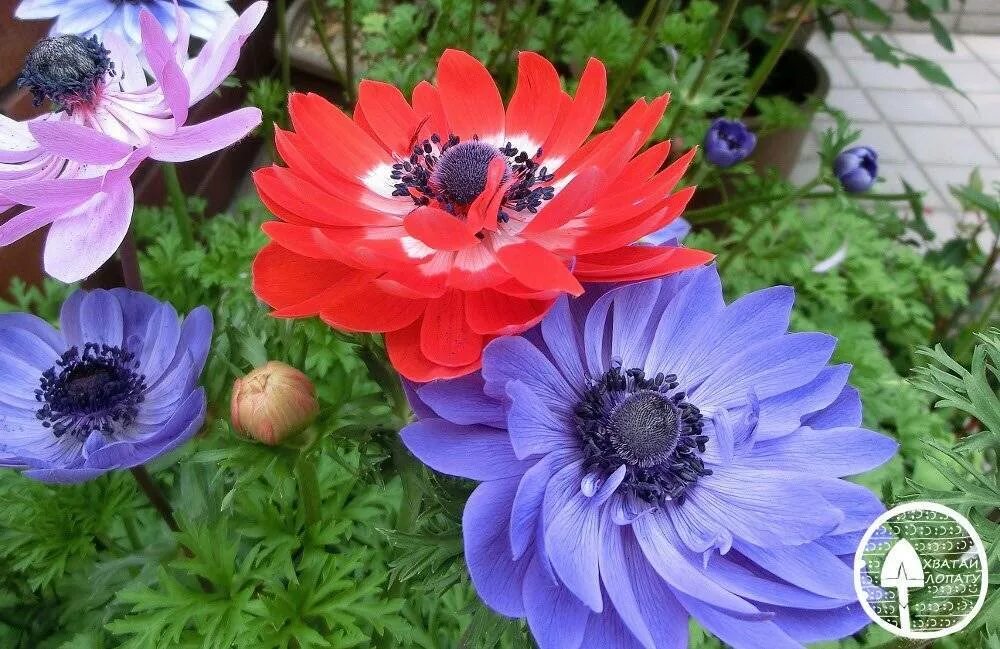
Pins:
x: 449, y: 220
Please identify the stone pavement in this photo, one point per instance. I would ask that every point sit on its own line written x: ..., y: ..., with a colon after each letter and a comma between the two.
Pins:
x: 931, y: 136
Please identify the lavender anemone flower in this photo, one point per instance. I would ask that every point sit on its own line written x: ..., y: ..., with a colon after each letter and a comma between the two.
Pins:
x: 652, y: 454
x: 95, y: 17
x: 109, y: 118
x: 115, y: 388
x: 856, y: 169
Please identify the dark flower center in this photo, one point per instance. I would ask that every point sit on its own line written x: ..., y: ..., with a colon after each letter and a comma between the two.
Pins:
x: 67, y: 70
x: 454, y: 173
x: 626, y: 418
x: 99, y: 390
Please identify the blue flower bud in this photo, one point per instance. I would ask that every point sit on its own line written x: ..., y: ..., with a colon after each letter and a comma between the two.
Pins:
x: 856, y: 169
x: 728, y: 142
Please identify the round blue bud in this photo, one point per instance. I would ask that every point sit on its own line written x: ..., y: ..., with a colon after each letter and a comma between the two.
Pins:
x: 856, y: 169
x: 728, y: 142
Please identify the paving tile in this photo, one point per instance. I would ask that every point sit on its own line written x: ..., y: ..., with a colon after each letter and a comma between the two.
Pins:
x: 992, y: 137
x: 819, y: 45
x: 837, y: 71
x: 986, y: 48
x: 979, y: 23
x: 848, y: 47
x: 982, y: 7
x: 881, y: 138
x: 914, y: 107
x: 972, y: 76
x: 894, y: 173
x: 901, y: 22
x: 925, y: 45
x: 945, y: 145
x: 875, y: 74
x: 980, y: 109
x: 854, y: 102
x: 944, y: 176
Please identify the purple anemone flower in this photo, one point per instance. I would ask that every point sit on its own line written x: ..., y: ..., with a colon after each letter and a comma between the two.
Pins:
x: 856, y: 169
x: 671, y: 235
x: 72, y: 167
x: 652, y: 454
x: 728, y: 142
x: 116, y: 387
x: 95, y: 17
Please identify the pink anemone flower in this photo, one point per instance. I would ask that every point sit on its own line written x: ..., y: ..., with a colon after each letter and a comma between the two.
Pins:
x: 109, y: 117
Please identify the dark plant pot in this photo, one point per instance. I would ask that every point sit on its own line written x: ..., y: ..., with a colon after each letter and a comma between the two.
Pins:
x: 216, y: 177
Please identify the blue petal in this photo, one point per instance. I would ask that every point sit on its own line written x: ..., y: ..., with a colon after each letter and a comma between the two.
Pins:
x: 809, y: 566
x: 36, y: 326
x: 608, y: 630
x: 526, y: 510
x: 463, y: 401
x: 25, y: 346
x: 783, y: 413
x: 751, y: 582
x: 476, y: 452
x: 158, y: 345
x: 515, y: 359
x: 617, y: 580
x: 767, y: 368
x: 533, y: 427
x: 819, y: 626
x: 833, y: 452
x: 498, y: 578
x: 740, y: 634
x: 633, y: 306
x: 844, y: 411
x: 557, y: 619
x: 101, y: 319
x: 693, y: 310
x: 563, y: 339
x: 64, y: 476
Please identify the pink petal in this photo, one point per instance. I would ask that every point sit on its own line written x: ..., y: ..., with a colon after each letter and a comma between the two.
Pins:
x: 16, y: 143
x: 128, y: 71
x: 23, y: 224
x: 77, y: 142
x: 86, y: 237
x: 162, y: 58
x: 214, y: 63
x: 191, y: 142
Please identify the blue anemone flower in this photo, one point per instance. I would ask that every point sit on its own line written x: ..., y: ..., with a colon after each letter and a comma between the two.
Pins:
x: 728, y: 142
x: 856, y: 169
x: 671, y: 235
x: 94, y: 17
x: 652, y: 454
x: 116, y: 387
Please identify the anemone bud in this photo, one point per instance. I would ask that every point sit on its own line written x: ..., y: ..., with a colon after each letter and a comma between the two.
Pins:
x: 273, y: 403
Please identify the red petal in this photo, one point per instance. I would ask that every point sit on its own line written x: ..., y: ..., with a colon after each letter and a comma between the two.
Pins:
x: 470, y: 97
x: 389, y: 116
x: 371, y: 309
x: 405, y: 355
x: 414, y: 281
x: 644, y: 165
x: 439, y: 229
x: 445, y: 336
x: 578, y: 123
x: 334, y: 136
x: 476, y: 268
x: 485, y: 210
x: 537, y: 268
x: 429, y: 109
x: 572, y: 200
x: 529, y: 114
x: 490, y: 312
x: 636, y: 263
x: 288, y: 194
x: 623, y: 234
x: 283, y: 279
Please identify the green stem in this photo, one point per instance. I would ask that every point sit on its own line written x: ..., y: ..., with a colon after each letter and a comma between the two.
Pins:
x: 286, y: 60
x: 708, y: 214
x: 713, y: 49
x: 324, y: 42
x: 308, y: 483
x: 349, y: 47
x: 128, y: 522
x: 178, y: 201
x: 128, y: 254
x: 470, y: 32
x: 155, y: 496
x: 766, y: 66
x: 624, y: 79
x: 762, y: 218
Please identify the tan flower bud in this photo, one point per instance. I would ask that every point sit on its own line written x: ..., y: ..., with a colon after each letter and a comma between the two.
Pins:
x: 272, y: 403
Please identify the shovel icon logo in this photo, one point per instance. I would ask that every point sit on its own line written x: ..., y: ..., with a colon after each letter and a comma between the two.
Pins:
x: 902, y: 571
x: 920, y: 571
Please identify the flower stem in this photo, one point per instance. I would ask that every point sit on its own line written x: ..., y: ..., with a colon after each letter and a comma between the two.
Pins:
x: 764, y: 217
x: 709, y: 214
x: 129, y: 257
x: 308, y: 483
x: 713, y: 49
x: 766, y: 66
x: 178, y: 201
x: 286, y: 61
x: 155, y: 496
x: 624, y: 79
x: 324, y: 42
x: 349, y: 47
